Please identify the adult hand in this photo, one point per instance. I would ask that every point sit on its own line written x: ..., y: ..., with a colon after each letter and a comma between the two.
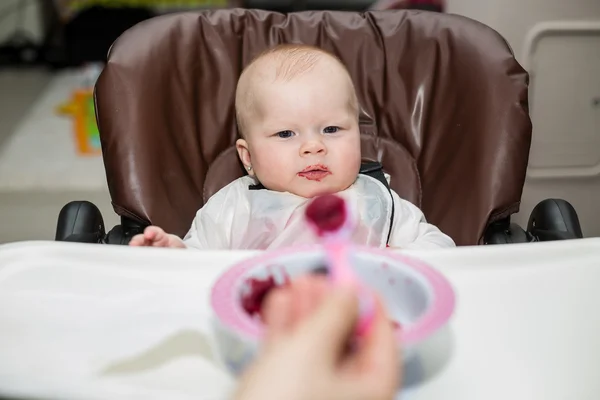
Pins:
x: 306, y: 352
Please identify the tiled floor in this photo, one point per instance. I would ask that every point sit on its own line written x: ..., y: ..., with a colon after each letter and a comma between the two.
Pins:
x: 32, y: 214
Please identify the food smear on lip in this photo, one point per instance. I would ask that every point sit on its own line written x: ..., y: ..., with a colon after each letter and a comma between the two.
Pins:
x: 315, y: 172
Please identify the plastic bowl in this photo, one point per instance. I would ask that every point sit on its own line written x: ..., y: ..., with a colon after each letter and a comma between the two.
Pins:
x: 416, y: 296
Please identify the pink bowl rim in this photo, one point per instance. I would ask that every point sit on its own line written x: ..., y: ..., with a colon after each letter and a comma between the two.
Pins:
x: 234, y: 317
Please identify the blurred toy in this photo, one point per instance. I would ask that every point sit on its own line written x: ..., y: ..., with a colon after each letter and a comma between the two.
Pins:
x: 428, y: 5
x: 81, y: 108
x: 67, y: 9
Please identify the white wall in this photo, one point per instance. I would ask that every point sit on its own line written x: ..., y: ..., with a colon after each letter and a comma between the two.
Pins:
x: 31, y: 19
x: 565, y: 85
x: 514, y: 18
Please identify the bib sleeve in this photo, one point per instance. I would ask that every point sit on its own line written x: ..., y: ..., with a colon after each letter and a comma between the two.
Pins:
x: 410, y: 230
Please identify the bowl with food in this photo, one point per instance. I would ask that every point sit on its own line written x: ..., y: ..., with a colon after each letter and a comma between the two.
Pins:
x: 418, y: 299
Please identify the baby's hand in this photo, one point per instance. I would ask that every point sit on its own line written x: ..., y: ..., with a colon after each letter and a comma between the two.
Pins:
x: 154, y: 236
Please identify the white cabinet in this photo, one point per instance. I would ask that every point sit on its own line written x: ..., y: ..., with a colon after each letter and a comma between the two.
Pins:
x: 557, y: 41
x: 563, y: 58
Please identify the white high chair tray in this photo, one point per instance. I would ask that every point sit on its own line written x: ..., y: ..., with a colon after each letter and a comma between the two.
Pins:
x: 109, y: 322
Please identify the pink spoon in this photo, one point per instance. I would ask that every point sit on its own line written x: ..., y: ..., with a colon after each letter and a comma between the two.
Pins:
x: 331, y: 220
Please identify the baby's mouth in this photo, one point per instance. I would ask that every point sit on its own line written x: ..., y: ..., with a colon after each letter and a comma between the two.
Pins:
x: 315, y: 172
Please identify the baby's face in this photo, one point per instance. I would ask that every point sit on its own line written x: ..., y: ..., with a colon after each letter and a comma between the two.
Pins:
x: 303, y: 136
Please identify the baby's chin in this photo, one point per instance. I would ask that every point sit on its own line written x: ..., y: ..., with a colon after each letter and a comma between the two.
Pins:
x: 310, y: 189
x: 309, y: 193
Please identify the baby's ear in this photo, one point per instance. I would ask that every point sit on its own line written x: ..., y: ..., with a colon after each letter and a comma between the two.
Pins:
x: 244, y: 154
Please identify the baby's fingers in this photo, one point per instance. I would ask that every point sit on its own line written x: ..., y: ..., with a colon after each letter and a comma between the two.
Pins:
x: 161, y: 240
x: 155, y: 236
x: 151, y: 233
x: 138, y: 240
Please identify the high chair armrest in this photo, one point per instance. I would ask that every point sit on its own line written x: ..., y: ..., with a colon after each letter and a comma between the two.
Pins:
x: 551, y: 219
x: 554, y: 219
x: 505, y: 232
x: 80, y: 221
x: 122, y: 234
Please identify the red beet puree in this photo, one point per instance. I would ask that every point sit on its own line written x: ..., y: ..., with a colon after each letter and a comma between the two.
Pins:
x: 259, y: 288
x: 327, y: 213
x: 253, y: 301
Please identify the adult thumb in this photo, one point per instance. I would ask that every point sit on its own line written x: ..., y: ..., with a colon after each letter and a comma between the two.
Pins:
x: 332, y: 325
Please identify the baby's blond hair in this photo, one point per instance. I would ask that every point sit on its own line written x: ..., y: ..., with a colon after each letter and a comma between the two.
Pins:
x: 291, y: 61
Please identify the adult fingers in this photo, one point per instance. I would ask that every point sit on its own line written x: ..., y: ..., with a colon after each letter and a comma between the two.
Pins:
x: 327, y: 332
x: 374, y: 369
x: 277, y: 313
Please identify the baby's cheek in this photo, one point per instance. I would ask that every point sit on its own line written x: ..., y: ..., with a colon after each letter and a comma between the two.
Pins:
x: 272, y: 160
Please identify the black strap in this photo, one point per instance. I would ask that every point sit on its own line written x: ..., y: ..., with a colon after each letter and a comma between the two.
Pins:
x: 258, y: 186
x: 375, y: 170
x: 370, y: 168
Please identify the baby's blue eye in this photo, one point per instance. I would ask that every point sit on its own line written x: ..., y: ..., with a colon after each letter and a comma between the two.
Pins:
x: 331, y: 129
x: 285, y: 134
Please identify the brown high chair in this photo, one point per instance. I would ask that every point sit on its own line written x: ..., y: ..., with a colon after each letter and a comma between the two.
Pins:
x: 444, y: 112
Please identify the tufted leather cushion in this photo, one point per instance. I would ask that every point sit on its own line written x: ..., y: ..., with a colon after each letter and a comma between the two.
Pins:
x: 445, y: 109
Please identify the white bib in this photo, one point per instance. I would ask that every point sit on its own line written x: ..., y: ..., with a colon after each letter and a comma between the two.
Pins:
x: 239, y: 218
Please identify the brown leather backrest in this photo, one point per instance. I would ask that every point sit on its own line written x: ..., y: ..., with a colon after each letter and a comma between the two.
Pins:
x: 445, y: 109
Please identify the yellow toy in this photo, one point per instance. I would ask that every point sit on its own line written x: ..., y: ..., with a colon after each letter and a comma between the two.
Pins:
x: 81, y: 109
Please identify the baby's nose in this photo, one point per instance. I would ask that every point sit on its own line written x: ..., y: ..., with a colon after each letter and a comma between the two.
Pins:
x: 313, y: 147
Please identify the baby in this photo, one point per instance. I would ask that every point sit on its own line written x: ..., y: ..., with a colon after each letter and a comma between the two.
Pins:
x: 297, y: 112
